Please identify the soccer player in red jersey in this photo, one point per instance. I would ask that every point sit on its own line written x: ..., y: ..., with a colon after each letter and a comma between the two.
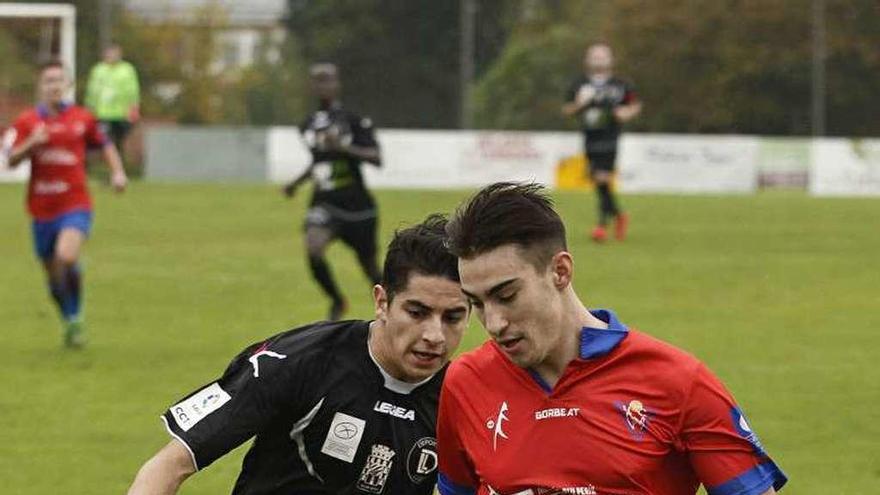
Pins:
x: 563, y: 399
x: 54, y: 135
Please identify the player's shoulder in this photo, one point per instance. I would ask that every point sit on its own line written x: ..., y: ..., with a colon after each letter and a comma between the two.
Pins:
x: 356, y: 119
x: 320, y: 337
x: 577, y: 81
x: 80, y: 111
x: 27, y: 115
x: 619, y: 81
x: 666, y: 362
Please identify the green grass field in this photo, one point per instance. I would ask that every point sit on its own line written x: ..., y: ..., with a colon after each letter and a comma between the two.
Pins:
x: 778, y: 293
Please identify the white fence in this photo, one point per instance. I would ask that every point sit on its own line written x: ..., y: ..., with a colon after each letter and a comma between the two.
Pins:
x: 648, y: 163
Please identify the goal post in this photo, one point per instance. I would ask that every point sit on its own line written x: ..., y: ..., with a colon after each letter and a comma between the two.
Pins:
x: 65, y: 13
x: 29, y: 33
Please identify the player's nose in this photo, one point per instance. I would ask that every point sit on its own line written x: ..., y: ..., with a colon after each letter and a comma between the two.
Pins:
x: 432, y: 332
x: 494, y: 321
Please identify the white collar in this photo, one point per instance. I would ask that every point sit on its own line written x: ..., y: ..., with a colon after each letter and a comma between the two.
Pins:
x: 393, y: 384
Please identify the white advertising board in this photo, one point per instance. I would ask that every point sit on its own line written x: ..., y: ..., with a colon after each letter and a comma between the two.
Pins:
x: 440, y: 159
x: 675, y: 163
x: 845, y: 167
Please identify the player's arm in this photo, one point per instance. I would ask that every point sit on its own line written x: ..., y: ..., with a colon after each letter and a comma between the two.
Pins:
x: 118, y: 179
x: 264, y: 382
x: 133, y: 92
x: 723, y: 450
x: 364, y: 145
x: 370, y: 154
x: 572, y: 108
x: 577, y: 98
x: 95, y: 138
x: 26, y: 143
x: 290, y: 188
x: 164, y: 472
x: 627, y: 112
x: 630, y: 108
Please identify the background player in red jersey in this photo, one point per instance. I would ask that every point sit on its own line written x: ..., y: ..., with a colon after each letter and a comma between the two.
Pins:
x: 54, y: 135
x: 566, y: 399
x: 603, y: 103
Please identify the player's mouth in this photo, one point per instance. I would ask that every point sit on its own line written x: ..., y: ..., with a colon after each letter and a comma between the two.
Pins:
x: 511, y: 345
x: 427, y: 358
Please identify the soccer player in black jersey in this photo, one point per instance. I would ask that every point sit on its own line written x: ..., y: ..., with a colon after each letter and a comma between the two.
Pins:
x: 336, y: 408
x: 602, y: 103
x: 341, y: 207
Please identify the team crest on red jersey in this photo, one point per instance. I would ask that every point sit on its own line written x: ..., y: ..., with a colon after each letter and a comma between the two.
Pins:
x: 635, y: 416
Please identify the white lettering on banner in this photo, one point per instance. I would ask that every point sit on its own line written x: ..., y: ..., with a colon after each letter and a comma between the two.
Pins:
x: 190, y: 411
x: 557, y: 412
x: 688, y: 163
x: 396, y: 411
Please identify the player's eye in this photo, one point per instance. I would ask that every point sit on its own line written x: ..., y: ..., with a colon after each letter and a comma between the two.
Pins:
x: 507, y: 298
x: 416, y: 313
x: 453, y: 318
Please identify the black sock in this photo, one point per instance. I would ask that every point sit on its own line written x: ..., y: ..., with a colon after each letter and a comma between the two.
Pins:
x: 321, y: 273
x: 607, y: 205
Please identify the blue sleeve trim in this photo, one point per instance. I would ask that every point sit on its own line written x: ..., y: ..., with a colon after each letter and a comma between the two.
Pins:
x: 755, y: 481
x: 448, y: 487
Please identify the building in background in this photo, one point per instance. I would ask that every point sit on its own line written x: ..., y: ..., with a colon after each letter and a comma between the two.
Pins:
x: 243, y: 25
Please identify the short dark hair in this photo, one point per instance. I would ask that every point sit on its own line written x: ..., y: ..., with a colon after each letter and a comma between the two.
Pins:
x: 508, y: 213
x: 420, y: 249
x: 52, y: 63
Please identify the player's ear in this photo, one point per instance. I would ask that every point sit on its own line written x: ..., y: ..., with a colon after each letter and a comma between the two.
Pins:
x: 380, y: 298
x: 562, y: 266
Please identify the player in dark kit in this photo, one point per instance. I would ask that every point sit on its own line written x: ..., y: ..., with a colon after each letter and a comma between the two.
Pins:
x: 602, y: 102
x: 337, y: 408
x: 341, y: 207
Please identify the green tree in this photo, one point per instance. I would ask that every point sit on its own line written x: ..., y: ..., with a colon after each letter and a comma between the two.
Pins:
x: 399, y: 61
x: 524, y: 87
x: 733, y: 66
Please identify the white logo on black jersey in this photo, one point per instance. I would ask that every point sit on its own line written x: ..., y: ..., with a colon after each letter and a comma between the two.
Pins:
x: 376, y: 469
x: 422, y: 459
x: 396, y: 411
x: 263, y: 351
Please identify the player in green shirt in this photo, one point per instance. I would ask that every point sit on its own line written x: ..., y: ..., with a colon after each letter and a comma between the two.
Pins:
x: 113, y: 94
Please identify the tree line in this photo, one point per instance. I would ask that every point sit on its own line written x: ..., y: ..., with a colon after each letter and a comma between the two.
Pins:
x: 706, y: 66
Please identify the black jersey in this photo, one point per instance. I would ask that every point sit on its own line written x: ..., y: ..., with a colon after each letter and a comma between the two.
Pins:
x: 601, y: 128
x: 337, y: 176
x: 326, y: 418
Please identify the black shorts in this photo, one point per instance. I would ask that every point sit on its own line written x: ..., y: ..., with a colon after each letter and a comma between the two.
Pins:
x: 601, y: 162
x: 116, y: 130
x: 357, y: 229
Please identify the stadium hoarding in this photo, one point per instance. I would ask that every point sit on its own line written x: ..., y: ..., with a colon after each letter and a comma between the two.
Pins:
x: 439, y: 159
x: 432, y: 159
x: 845, y: 167
x: 680, y: 163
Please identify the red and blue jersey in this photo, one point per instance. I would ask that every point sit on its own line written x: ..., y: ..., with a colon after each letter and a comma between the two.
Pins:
x: 58, y: 167
x: 633, y: 415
